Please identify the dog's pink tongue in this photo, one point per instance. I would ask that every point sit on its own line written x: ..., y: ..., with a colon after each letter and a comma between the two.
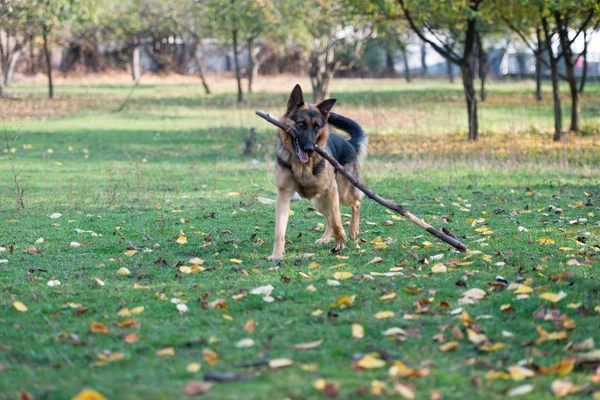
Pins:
x: 303, y: 156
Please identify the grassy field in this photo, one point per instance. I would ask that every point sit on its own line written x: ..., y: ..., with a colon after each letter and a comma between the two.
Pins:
x: 164, y: 182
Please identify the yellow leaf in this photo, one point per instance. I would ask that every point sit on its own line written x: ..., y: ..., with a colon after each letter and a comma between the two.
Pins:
x: 388, y: 296
x: 342, y: 275
x: 99, y: 282
x: 280, y: 363
x: 236, y: 261
x: 130, y: 252
x: 493, y: 375
x: 439, y: 268
x: 343, y: 301
x: 181, y: 239
x: 384, y: 314
x: 546, y: 240
x: 342, y: 257
x: 210, y: 356
x: 309, y: 345
x: 313, y: 265
x: 185, y: 270
x: 169, y: 351
x: 523, y: 289
x: 494, y: 347
x: 553, y: 297
x: 404, y: 391
x: 475, y: 337
x: 138, y: 310
x: 448, y: 346
x: 518, y: 373
x: 358, y: 332
x: 192, y: 368
x: 561, y: 368
x: 311, y: 288
x: 123, y: 271
x: 89, y: 394
x: 370, y: 361
x: 309, y: 367
x: 20, y: 306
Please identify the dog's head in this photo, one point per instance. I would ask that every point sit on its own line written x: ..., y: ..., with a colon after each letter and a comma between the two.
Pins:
x: 309, y: 122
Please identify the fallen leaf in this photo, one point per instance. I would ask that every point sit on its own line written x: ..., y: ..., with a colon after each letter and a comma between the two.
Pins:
x: 358, y: 332
x: 553, y: 297
x: 343, y: 301
x: 519, y: 373
x: 546, y: 240
x: 309, y: 345
x: 168, y: 351
x: 131, y: 338
x: 192, y: 368
x: 448, y: 346
x: 20, y: 306
x: 561, y: 368
x: 123, y: 271
x: 262, y: 290
x: 370, y: 361
x: 384, y: 314
x: 249, y: 326
x: 342, y: 275
x: 97, y: 327
x: 388, y: 296
x: 89, y: 394
x: 245, y: 343
x: 404, y: 390
x: 54, y: 283
x: 210, y: 356
x: 195, y: 388
x: 520, y: 390
x: 562, y: 388
x: 277, y: 363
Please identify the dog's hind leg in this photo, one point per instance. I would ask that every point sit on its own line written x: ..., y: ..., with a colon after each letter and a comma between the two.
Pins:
x: 321, y: 203
x: 355, y: 221
x: 282, y: 213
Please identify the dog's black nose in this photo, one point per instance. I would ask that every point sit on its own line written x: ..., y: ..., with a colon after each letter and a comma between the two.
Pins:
x: 309, y: 147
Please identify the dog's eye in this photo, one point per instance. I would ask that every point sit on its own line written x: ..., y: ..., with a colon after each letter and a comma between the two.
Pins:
x: 317, y: 128
x: 301, y: 125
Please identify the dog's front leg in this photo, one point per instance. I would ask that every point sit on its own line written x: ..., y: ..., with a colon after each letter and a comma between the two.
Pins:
x: 282, y: 213
x: 336, y: 220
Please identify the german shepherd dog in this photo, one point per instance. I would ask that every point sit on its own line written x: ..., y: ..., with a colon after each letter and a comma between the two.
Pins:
x: 300, y: 169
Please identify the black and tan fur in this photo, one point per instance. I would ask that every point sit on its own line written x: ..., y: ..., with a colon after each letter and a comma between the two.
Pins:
x: 315, y: 178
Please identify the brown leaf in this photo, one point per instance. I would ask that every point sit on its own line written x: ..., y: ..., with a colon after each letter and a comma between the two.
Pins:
x: 97, y: 327
x: 23, y: 395
x: 80, y: 310
x: 195, y: 388
x: 131, y: 338
x: 31, y: 250
x: 587, y: 344
x: 249, y: 326
x: 128, y: 323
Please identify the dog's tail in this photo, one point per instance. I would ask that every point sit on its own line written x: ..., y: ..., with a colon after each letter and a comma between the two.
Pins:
x: 358, y: 137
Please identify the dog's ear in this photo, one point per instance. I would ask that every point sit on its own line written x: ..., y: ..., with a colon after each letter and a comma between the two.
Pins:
x: 325, y: 106
x: 296, y: 99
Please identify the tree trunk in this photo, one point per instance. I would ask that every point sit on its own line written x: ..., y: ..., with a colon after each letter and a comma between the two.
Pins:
x: 483, y: 67
x: 32, y: 65
x: 575, y: 103
x: 471, y: 98
x: 555, y: 83
x: 450, y: 72
x: 584, y: 69
x: 48, y: 65
x: 424, y: 72
x: 136, y: 68
x: 11, y: 66
x: 570, y: 61
x: 2, y: 90
x: 238, y: 74
x: 405, y: 61
x: 198, y: 64
x: 538, y: 67
x: 320, y: 87
x: 251, y: 59
x: 390, y: 71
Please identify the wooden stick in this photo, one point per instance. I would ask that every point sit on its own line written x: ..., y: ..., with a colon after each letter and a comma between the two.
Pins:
x: 372, y: 195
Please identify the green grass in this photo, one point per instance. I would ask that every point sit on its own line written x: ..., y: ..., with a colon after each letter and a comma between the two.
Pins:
x: 172, y: 163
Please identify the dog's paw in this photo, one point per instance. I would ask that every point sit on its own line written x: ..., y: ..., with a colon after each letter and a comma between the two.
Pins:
x: 338, y: 247
x: 353, y: 235
x: 323, y: 240
x: 275, y: 257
